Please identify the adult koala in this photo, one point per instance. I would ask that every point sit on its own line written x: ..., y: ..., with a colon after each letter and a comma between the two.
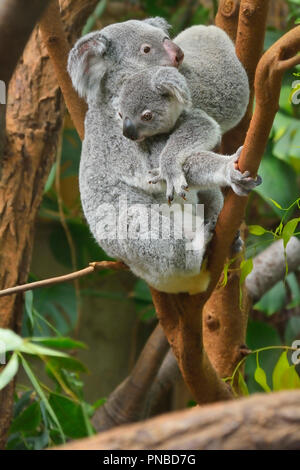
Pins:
x: 122, y: 211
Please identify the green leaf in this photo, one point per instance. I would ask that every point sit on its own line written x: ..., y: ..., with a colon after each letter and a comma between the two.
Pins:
x: 242, y: 385
x: 59, y: 342
x: 51, y: 178
x: 30, y: 348
x: 70, y: 416
x: 42, y: 395
x: 256, y: 230
x: 290, y: 380
x: 69, y: 363
x: 261, y: 379
x: 278, y: 373
x: 29, y: 420
x: 292, y: 330
x: 246, y: 268
x: 9, y: 371
x: 274, y: 300
x: 99, y: 403
x: 289, y: 230
x: 295, y: 291
x: 11, y: 340
x: 29, y: 306
x: 285, y: 191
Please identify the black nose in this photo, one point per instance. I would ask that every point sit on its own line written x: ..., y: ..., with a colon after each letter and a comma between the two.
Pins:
x: 129, y: 129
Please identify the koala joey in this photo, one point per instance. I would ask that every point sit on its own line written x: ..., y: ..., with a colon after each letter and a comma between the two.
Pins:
x: 114, y: 169
x: 157, y: 101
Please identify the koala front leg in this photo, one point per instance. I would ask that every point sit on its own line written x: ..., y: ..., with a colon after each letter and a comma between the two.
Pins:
x: 208, y: 169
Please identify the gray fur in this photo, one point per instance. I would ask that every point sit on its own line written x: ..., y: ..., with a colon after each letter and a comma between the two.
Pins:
x: 112, y: 166
x: 216, y: 77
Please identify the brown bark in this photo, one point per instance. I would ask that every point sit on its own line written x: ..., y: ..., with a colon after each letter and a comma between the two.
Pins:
x: 54, y: 38
x: 227, y: 17
x: 279, y: 58
x: 260, y: 422
x: 17, y: 20
x: 34, y: 118
x: 181, y: 318
x: 249, y: 46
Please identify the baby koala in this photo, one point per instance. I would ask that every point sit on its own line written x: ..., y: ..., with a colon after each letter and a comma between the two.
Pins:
x: 157, y: 101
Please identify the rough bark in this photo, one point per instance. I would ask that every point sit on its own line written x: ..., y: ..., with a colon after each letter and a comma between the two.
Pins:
x: 17, y: 20
x: 249, y: 46
x: 34, y: 119
x: 57, y: 45
x: 227, y: 17
x: 260, y: 422
x: 181, y: 318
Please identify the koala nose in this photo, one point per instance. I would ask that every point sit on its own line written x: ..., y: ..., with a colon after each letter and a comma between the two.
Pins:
x: 174, y: 52
x: 129, y: 129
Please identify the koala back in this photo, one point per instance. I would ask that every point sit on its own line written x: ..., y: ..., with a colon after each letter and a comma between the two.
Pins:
x: 217, y: 80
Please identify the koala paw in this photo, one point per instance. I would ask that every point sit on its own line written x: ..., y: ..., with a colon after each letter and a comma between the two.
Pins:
x: 237, y: 244
x: 176, y: 184
x: 241, y: 183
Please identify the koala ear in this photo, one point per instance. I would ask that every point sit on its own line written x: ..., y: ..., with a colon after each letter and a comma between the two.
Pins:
x: 86, y: 65
x: 169, y: 80
x: 158, y: 22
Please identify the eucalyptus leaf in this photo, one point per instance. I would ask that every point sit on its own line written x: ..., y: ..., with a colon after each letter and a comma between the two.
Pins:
x: 9, y: 371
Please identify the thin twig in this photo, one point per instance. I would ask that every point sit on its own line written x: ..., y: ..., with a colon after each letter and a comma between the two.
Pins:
x: 94, y: 266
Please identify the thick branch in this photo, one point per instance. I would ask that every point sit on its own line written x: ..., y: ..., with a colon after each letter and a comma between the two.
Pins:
x: 269, y: 267
x: 181, y: 318
x: 249, y: 46
x: 127, y: 402
x: 54, y: 37
x: 227, y: 16
x: 17, y: 20
x: 167, y: 376
x: 260, y: 422
x: 34, y: 119
x: 267, y: 88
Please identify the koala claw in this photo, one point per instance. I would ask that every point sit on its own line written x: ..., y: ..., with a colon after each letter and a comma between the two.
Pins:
x: 241, y: 183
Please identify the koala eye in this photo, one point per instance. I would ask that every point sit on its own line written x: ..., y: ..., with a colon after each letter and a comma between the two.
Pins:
x: 146, y: 48
x: 120, y: 115
x: 146, y: 115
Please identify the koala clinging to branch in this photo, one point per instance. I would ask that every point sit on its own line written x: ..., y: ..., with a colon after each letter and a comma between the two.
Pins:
x: 114, y: 170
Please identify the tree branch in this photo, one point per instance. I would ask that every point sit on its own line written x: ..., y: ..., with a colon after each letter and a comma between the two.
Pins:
x: 54, y: 37
x: 269, y: 267
x: 227, y: 17
x: 260, y: 422
x: 95, y: 266
x: 34, y: 119
x: 17, y: 20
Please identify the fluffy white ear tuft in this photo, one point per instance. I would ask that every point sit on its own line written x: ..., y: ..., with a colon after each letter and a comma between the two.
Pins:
x: 158, y: 22
x: 86, y: 64
x: 169, y: 80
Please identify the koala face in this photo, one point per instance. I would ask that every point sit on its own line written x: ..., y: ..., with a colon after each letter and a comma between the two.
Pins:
x: 151, y: 102
x: 126, y: 47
